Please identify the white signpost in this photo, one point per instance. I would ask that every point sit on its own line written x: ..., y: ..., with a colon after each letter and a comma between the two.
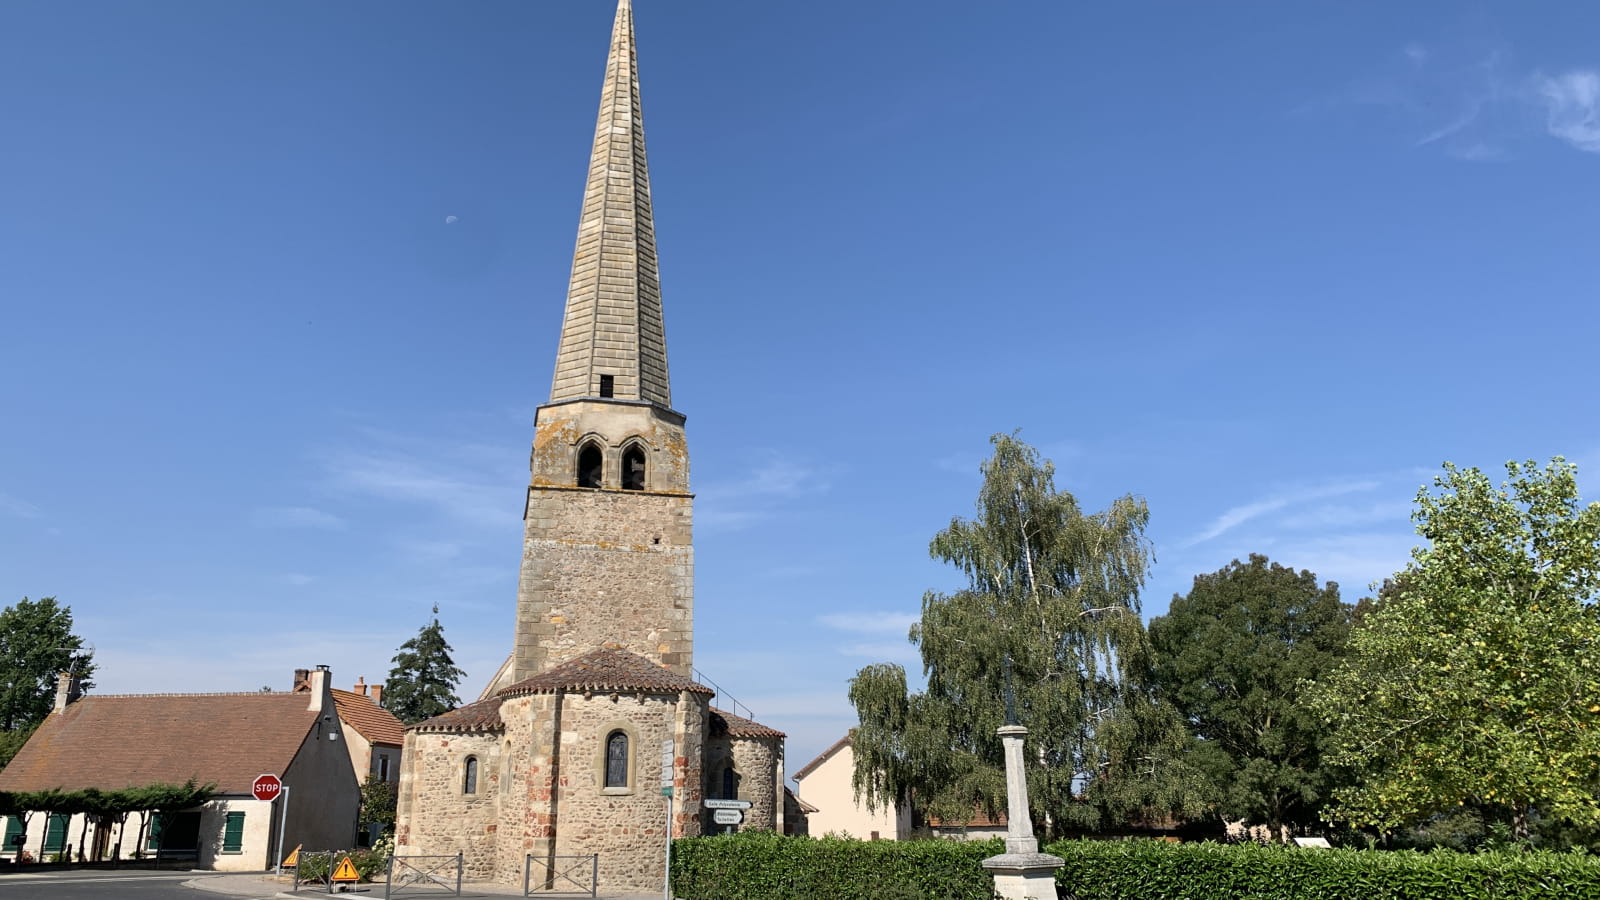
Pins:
x: 727, y: 816
x: 668, y: 757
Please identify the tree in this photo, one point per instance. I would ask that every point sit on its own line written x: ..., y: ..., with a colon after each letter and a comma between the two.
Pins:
x: 1232, y: 656
x: 423, y: 681
x: 36, y: 645
x: 1053, y: 591
x: 1476, y: 679
x: 378, y: 803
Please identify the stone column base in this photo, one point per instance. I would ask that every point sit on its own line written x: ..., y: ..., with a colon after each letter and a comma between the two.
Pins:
x: 1024, y: 876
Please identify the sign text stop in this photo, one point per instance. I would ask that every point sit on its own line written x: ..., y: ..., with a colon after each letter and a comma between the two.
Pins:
x: 266, y: 787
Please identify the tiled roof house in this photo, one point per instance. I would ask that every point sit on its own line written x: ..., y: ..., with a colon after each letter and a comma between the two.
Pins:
x: 112, y: 742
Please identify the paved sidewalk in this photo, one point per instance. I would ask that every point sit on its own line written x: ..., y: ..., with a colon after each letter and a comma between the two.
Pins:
x: 257, y: 885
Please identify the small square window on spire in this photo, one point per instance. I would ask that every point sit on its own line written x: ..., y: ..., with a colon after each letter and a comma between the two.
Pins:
x: 608, y: 386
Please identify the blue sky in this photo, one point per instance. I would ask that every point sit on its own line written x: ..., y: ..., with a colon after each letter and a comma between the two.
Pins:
x: 281, y: 282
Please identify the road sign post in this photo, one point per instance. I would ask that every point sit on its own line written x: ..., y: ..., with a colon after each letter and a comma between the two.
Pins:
x: 265, y: 788
x: 668, y: 760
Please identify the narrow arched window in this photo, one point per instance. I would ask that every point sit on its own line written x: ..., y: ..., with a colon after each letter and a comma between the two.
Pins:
x: 590, y: 466
x: 633, y: 469
x: 730, y: 784
x: 617, y: 760
x: 469, y: 778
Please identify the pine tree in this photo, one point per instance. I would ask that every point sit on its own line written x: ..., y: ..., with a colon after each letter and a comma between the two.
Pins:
x: 423, y: 682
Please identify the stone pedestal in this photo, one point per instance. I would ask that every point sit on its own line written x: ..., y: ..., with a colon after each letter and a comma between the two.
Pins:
x: 1022, y: 872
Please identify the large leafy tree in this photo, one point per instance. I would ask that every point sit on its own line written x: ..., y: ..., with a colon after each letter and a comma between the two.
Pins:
x: 423, y: 682
x: 1053, y: 593
x: 1232, y: 655
x: 36, y: 645
x: 1476, y: 680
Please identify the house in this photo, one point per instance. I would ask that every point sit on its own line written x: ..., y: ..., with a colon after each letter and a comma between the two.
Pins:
x: 373, y: 736
x: 826, y: 785
x: 115, y: 742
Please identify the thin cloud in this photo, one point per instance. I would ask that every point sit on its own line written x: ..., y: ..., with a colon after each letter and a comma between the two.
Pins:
x: 1571, y: 102
x: 460, y: 481
x: 296, y: 517
x: 775, y: 480
x: 870, y: 622
x: 13, y: 506
x: 1239, y: 515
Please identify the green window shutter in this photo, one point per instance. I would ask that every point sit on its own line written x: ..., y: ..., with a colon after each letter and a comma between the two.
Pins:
x: 13, y: 831
x: 55, y: 833
x: 154, y: 842
x: 233, y: 833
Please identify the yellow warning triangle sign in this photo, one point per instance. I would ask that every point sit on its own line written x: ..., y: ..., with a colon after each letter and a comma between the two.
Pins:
x: 293, y: 859
x: 346, y: 871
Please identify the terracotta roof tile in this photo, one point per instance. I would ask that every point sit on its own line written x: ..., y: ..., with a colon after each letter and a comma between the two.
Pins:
x: 483, y: 715
x: 726, y: 723
x: 112, y: 742
x: 607, y: 670
x: 372, y: 721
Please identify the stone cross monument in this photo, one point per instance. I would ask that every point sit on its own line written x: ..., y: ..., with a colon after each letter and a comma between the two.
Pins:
x: 1022, y: 872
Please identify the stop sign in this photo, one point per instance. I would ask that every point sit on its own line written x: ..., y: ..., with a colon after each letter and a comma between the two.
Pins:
x: 266, y: 787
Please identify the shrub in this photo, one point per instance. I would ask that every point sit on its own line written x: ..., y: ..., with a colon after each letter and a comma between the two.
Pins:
x: 764, y: 866
x: 1153, y: 870
x: 314, y: 867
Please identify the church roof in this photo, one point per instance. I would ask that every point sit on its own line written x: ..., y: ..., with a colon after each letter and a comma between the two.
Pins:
x: 603, y: 671
x: 483, y: 715
x: 726, y: 723
x: 370, y: 720
x: 613, y: 323
x: 112, y: 742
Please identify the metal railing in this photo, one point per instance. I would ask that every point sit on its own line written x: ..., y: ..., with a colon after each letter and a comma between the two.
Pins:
x: 419, y: 874
x: 724, y: 699
x: 561, y: 876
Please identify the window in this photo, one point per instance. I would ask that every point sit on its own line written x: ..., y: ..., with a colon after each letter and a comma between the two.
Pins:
x: 590, y: 466
x: 633, y: 469
x: 608, y: 386
x: 14, y: 830
x: 233, y: 833
x: 617, y: 760
x: 730, y: 784
x: 55, y: 833
x: 383, y: 767
x: 156, y: 821
x: 469, y: 780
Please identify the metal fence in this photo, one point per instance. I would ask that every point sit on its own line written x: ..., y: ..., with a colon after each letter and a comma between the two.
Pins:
x: 411, y: 875
x: 561, y: 876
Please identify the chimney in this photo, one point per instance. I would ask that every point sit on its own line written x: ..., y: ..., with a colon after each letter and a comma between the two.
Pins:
x: 302, y: 681
x: 361, y: 685
x: 68, y: 689
x: 377, y: 694
x: 317, y: 685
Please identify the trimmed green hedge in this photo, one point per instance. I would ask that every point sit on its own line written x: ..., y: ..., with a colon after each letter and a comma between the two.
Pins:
x: 763, y: 866
x: 1153, y: 870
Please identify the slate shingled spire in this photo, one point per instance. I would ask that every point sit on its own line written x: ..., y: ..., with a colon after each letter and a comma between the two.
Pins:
x: 613, y: 325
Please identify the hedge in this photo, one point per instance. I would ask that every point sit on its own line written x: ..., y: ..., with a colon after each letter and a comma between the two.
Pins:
x: 764, y: 866
x: 761, y: 866
x: 1153, y: 870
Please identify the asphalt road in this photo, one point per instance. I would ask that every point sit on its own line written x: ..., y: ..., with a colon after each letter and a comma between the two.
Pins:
x: 72, y: 885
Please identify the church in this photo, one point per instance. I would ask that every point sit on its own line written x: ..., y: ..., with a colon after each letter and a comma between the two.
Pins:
x: 571, y: 748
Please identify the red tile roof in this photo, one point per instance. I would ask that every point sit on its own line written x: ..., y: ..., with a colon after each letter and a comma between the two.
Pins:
x: 481, y: 716
x: 372, y: 721
x: 604, y: 671
x: 726, y: 723
x: 112, y: 742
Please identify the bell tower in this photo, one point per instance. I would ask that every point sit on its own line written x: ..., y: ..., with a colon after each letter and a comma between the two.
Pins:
x: 607, y: 554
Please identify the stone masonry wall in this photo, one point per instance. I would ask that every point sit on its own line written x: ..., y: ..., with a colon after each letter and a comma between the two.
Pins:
x: 625, y: 826
x: 756, y: 760
x: 604, y: 568
x: 437, y: 818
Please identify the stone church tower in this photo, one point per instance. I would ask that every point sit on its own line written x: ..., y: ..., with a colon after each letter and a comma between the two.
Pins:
x: 563, y: 753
